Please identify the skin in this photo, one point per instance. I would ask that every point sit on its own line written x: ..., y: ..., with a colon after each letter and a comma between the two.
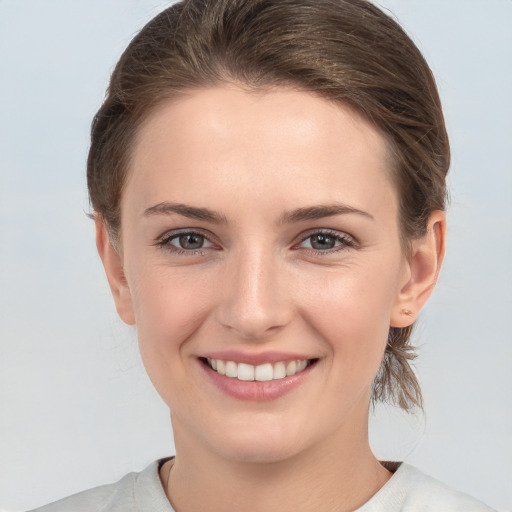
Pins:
x: 258, y: 285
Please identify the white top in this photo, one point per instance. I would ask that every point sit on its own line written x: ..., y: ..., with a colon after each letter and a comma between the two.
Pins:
x: 408, y: 490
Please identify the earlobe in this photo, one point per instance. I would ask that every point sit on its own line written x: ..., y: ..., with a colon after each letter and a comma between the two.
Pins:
x: 113, y: 265
x: 424, y: 265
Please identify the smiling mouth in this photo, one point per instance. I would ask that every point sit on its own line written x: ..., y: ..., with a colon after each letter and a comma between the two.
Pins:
x: 262, y: 372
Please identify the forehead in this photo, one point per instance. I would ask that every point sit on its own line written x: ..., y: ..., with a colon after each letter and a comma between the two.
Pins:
x: 227, y: 139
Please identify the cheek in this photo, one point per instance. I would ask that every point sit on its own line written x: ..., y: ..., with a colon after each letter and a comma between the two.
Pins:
x: 169, y: 310
x: 169, y: 303
x: 351, y: 315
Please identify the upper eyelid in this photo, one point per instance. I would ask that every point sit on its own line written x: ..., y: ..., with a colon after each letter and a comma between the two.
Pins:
x: 325, y: 231
x: 167, y: 235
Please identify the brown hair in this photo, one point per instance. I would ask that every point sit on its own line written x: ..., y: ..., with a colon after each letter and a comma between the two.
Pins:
x: 347, y: 51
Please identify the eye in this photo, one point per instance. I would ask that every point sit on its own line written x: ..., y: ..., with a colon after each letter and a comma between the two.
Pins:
x: 321, y: 241
x: 185, y: 242
x: 327, y: 241
x: 189, y: 241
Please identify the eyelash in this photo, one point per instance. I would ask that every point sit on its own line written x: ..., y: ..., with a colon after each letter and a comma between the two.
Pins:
x: 345, y: 241
x: 164, y: 243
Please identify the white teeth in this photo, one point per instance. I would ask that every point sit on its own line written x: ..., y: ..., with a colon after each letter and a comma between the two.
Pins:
x: 301, y: 365
x: 221, y: 367
x: 231, y: 369
x: 263, y: 372
x: 279, y: 371
x: 291, y: 368
x: 245, y: 371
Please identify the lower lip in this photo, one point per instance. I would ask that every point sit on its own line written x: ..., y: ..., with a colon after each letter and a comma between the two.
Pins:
x: 256, y: 391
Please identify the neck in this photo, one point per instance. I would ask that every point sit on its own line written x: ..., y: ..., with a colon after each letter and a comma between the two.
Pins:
x: 339, y: 474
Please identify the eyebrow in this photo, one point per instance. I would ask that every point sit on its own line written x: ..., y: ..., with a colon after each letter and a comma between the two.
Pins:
x: 298, y: 215
x: 185, y: 210
x: 319, y: 212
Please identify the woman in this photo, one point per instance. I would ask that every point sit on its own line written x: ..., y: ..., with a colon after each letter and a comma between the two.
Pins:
x: 268, y: 185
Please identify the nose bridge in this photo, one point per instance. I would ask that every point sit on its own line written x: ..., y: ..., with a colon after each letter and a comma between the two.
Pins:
x: 254, y: 304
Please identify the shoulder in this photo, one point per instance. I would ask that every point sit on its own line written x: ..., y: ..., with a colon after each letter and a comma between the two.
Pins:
x: 428, y: 494
x: 101, y: 498
x: 410, y: 490
x: 135, y: 492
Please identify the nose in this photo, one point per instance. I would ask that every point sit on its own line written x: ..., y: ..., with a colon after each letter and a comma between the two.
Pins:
x: 255, y: 301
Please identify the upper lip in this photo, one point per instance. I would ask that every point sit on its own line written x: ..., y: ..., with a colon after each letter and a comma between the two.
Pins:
x: 256, y: 359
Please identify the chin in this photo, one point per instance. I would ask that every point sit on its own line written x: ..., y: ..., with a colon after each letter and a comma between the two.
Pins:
x: 260, y: 453
x: 260, y: 442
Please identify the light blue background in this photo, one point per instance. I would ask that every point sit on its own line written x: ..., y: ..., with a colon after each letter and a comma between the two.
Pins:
x: 76, y: 409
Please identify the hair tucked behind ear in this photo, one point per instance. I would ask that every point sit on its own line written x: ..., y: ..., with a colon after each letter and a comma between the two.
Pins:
x: 396, y: 382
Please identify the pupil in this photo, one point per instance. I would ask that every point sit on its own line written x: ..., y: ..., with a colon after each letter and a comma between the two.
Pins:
x: 322, y: 242
x: 191, y: 241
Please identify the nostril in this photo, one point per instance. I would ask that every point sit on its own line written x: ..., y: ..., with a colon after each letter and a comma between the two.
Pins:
x: 256, y: 325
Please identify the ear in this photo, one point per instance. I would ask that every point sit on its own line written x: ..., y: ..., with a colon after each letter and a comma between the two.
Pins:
x: 113, y: 264
x: 423, y: 266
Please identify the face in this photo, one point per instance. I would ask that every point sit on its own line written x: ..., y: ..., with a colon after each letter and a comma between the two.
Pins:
x: 260, y: 237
